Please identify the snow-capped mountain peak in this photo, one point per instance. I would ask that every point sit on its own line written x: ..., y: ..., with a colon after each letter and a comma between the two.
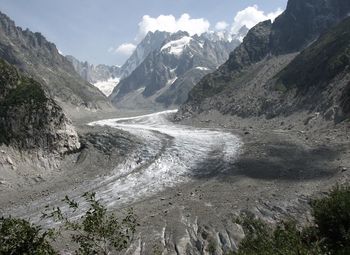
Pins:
x: 104, y: 77
x: 151, y: 42
x: 226, y: 35
x: 107, y: 86
x: 168, y: 61
x: 242, y: 32
x: 169, y: 72
x: 176, y: 47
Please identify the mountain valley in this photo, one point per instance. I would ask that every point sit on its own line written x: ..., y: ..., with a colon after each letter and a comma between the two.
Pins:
x: 192, y: 131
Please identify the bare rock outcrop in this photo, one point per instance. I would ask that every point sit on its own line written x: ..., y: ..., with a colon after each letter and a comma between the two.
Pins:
x: 29, y: 118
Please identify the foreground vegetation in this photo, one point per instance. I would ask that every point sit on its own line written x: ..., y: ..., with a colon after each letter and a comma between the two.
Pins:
x: 100, y: 232
x: 328, y: 234
x: 95, y: 232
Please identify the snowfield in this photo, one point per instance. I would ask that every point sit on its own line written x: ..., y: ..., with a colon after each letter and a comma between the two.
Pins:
x: 107, y: 87
x: 202, y: 68
x: 177, y: 47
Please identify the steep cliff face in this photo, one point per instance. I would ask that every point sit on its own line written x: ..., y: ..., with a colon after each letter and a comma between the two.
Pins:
x: 247, y: 84
x: 33, y: 54
x: 29, y: 118
x: 319, y: 76
x: 303, y: 21
x: 300, y: 24
x: 151, y: 42
x: 254, y: 48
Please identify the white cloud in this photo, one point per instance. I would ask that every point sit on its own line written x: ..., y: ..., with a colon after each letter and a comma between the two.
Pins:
x: 251, y: 15
x: 221, y: 25
x: 125, y: 49
x: 169, y: 23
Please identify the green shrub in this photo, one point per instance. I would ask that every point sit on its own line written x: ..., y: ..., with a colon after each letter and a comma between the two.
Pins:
x: 332, y: 217
x: 212, y: 245
x: 329, y: 235
x: 285, y: 239
x: 20, y: 237
x: 280, y: 87
x: 97, y: 231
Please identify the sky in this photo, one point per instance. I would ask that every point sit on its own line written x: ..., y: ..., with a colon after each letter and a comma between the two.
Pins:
x: 107, y: 31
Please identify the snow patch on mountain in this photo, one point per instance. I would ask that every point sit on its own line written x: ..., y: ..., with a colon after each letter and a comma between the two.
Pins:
x: 202, y: 68
x: 141, y: 90
x: 176, y: 47
x: 226, y: 35
x: 171, y: 81
x: 174, y: 63
x: 107, y: 86
x: 151, y: 42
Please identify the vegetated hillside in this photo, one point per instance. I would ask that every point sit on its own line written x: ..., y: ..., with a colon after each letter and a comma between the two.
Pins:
x: 246, y: 84
x: 29, y: 118
x: 33, y: 54
x: 169, y: 72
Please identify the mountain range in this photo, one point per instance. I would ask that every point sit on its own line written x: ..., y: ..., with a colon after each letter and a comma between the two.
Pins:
x: 33, y: 55
x: 103, y: 77
x: 267, y: 110
x: 297, y: 63
x: 165, y: 66
x: 169, y: 71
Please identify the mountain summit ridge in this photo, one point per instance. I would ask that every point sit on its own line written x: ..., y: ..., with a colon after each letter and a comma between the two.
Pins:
x: 34, y: 55
x: 169, y: 71
x: 245, y: 84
